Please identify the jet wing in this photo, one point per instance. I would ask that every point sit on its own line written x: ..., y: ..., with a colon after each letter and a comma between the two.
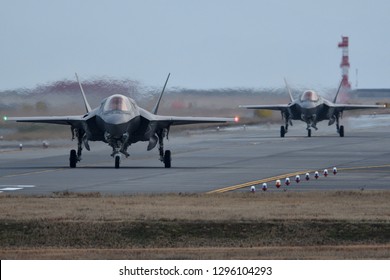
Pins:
x: 342, y: 107
x: 277, y: 107
x: 166, y: 121
x: 173, y: 120
x: 75, y: 121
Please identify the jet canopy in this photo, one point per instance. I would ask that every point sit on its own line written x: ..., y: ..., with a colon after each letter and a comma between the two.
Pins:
x: 118, y: 102
x: 309, y: 95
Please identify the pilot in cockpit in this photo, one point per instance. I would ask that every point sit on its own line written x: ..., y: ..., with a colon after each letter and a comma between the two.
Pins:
x: 309, y: 95
x: 117, y: 103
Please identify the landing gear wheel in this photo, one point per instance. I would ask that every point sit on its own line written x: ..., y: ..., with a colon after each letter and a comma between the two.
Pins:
x: 117, y: 161
x: 72, y: 159
x: 309, y: 132
x: 167, y: 159
x: 282, y: 131
x: 341, y: 131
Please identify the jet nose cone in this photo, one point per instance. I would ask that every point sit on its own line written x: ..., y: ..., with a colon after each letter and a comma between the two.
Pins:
x: 116, y: 119
x: 116, y: 124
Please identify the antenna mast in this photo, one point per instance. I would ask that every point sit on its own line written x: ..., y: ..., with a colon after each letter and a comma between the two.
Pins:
x: 345, y: 63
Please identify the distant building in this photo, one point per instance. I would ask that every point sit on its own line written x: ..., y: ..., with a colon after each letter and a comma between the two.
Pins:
x: 373, y: 94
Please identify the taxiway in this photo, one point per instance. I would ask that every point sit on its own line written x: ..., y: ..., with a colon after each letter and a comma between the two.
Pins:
x: 210, y: 160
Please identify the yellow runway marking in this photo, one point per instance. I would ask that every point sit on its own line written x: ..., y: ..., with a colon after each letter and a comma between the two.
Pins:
x: 257, y: 182
x: 283, y: 176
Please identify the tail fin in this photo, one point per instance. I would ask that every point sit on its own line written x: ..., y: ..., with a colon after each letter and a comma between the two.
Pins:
x: 155, y: 109
x: 338, y: 91
x: 87, y: 107
x: 289, y: 90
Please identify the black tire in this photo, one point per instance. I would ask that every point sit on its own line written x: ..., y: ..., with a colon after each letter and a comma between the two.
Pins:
x: 72, y: 159
x: 282, y: 131
x: 341, y: 131
x: 309, y: 133
x: 117, y: 161
x: 167, y: 159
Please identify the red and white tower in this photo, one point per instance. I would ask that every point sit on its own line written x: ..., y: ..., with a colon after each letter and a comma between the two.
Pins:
x: 344, y: 63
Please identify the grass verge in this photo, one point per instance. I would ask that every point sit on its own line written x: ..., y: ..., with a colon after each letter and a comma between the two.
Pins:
x: 311, y: 225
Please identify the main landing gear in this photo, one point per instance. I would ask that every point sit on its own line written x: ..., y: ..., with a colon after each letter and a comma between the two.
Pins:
x: 284, y: 129
x: 165, y: 157
x: 340, y: 130
x: 118, y: 146
x: 74, y: 156
x: 73, y: 159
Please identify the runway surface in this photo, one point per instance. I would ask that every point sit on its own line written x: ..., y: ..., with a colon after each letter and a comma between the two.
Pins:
x: 211, y: 160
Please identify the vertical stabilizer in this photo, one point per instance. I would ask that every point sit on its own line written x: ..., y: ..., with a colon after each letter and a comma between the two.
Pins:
x: 338, y: 91
x: 87, y: 107
x: 289, y: 90
x: 155, y: 109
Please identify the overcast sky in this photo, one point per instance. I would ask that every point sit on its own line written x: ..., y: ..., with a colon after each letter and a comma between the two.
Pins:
x: 203, y: 43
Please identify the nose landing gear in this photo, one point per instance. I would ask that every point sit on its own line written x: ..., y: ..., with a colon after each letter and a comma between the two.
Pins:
x: 167, y: 159
x: 72, y: 159
x: 117, y: 161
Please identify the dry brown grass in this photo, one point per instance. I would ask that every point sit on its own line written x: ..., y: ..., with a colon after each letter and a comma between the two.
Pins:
x: 374, y: 252
x: 340, y: 205
x: 300, y: 225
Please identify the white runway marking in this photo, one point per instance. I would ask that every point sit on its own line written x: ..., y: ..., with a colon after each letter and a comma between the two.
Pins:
x: 14, y: 187
x: 10, y: 189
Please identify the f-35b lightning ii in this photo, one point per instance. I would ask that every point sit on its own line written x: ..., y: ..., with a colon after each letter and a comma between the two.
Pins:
x: 119, y: 122
x: 312, y: 108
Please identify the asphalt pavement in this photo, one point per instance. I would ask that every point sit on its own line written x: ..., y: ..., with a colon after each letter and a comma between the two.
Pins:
x: 211, y: 161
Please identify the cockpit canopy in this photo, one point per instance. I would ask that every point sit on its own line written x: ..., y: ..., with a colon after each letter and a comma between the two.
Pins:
x: 309, y: 95
x: 118, y: 102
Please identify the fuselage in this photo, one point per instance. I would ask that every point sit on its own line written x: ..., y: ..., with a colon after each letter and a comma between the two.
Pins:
x: 118, y: 117
x: 309, y: 108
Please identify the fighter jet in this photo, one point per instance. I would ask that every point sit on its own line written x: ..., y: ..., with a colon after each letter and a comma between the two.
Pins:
x: 119, y: 122
x: 312, y: 108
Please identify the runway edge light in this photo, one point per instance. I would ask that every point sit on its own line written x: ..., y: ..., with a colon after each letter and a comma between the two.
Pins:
x: 326, y: 172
